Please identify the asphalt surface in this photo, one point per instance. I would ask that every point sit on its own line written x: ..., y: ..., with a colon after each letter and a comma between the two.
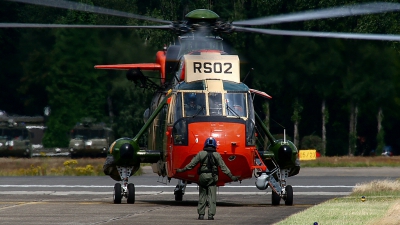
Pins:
x: 88, y: 200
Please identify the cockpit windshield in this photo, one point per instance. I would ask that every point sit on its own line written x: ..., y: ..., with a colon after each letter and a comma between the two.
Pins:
x: 195, y: 104
x: 229, y: 104
x: 215, y: 104
x: 236, y: 104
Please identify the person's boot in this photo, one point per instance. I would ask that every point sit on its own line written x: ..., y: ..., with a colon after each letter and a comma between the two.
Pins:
x: 201, y: 217
x: 210, y: 217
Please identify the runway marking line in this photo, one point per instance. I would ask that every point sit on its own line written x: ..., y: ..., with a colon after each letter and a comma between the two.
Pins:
x: 17, y: 204
x: 162, y: 186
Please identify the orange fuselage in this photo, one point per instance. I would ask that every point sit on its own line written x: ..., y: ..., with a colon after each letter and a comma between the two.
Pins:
x: 231, y: 141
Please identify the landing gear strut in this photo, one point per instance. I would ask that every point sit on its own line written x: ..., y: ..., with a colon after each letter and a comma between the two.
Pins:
x: 276, y: 180
x: 124, y: 189
x: 279, y: 188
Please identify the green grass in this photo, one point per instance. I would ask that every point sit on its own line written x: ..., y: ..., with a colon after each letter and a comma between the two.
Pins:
x: 343, y: 211
x: 353, y: 161
x: 46, y: 166
x: 381, y: 206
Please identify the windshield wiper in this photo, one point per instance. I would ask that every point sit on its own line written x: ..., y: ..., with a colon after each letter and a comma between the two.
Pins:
x: 197, y: 113
x: 232, y: 111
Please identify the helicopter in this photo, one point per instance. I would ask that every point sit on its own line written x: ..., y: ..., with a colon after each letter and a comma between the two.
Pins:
x: 199, y: 70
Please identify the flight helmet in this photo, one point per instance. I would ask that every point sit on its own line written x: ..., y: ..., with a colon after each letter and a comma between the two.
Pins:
x: 192, y: 97
x: 210, y: 143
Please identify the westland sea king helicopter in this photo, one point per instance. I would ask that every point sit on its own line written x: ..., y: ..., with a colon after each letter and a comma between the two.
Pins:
x: 201, y: 95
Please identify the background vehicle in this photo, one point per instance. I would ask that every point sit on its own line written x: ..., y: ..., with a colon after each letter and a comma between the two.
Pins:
x: 89, y: 139
x: 387, y: 151
x: 15, y: 139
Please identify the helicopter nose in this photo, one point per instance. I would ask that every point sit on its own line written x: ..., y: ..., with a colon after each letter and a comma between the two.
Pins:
x: 126, y: 150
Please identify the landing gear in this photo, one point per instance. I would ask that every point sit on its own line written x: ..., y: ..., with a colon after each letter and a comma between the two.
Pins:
x: 288, y: 195
x: 180, y: 190
x: 131, y: 194
x: 276, y: 180
x: 125, y: 189
x: 117, y: 193
x: 275, y: 198
x: 178, y: 196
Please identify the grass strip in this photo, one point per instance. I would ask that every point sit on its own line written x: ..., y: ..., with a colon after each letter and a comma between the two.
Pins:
x: 47, y: 166
x: 381, y: 205
x: 353, y: 161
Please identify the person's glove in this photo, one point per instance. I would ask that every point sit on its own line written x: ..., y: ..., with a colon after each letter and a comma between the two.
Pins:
x: 180, y: 170
x: 234, y: 178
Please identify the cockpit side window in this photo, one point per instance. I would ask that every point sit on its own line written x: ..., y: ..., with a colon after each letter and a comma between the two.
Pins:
x: 250, y: 124
x: 178, y: 107
x: 215, y: 104
x: 236, y: 104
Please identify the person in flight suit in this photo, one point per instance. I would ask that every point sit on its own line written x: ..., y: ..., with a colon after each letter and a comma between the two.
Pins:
x: 192, y: 108
x: 210, y: 159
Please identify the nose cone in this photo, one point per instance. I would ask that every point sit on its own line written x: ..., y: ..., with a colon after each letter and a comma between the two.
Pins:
x: 285, y: 154
x: 126, y: 151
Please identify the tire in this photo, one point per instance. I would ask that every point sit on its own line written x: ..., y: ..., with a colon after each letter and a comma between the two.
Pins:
x: 289, y: 195
x: 275, y: 199
x: 117, y: 196
x: 131, y: 193
x: 29, y: 154
x: 178, y: 196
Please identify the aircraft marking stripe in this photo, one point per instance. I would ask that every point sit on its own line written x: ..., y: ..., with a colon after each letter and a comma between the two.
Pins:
x: 160, y: 186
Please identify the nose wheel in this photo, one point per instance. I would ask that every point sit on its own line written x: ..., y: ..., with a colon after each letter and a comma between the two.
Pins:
x: 130, y: 193
x: 275, y: 198
x: 117, y: 195
x: 125, y: 189
x: 287, y: 196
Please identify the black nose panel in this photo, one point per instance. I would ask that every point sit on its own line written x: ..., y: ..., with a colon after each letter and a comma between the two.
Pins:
x: 126, y: 151
x: 285, y: 154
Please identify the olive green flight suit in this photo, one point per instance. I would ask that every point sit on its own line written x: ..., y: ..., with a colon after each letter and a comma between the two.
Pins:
x: 207, y: 182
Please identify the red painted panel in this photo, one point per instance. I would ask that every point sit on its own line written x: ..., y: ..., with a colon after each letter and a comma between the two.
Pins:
x: 230, y: 138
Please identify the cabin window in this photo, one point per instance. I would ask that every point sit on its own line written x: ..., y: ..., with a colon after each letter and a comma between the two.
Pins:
x: 195, y: 104
x: 180, y: 133
x: 236, y: 104
x: 215, y: 103
x: 177, y: 111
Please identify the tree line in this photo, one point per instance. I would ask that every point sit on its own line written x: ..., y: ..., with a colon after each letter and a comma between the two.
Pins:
x: 345, y: 92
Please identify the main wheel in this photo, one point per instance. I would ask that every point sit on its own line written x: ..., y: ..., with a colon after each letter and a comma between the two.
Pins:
x: 178, y: 196
x: 131, y: 193
x: 289, y: 195
x: 117, y: 196
x: 276, y: 199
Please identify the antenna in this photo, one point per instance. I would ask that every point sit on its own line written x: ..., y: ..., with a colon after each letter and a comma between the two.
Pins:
x: 247, y: 74
x: 284, y: 135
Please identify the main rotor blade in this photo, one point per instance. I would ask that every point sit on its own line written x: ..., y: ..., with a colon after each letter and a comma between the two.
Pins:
x: 342, y: 11
x: 379, y: 37
x: 39, y: 25
x: 88, y: 8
